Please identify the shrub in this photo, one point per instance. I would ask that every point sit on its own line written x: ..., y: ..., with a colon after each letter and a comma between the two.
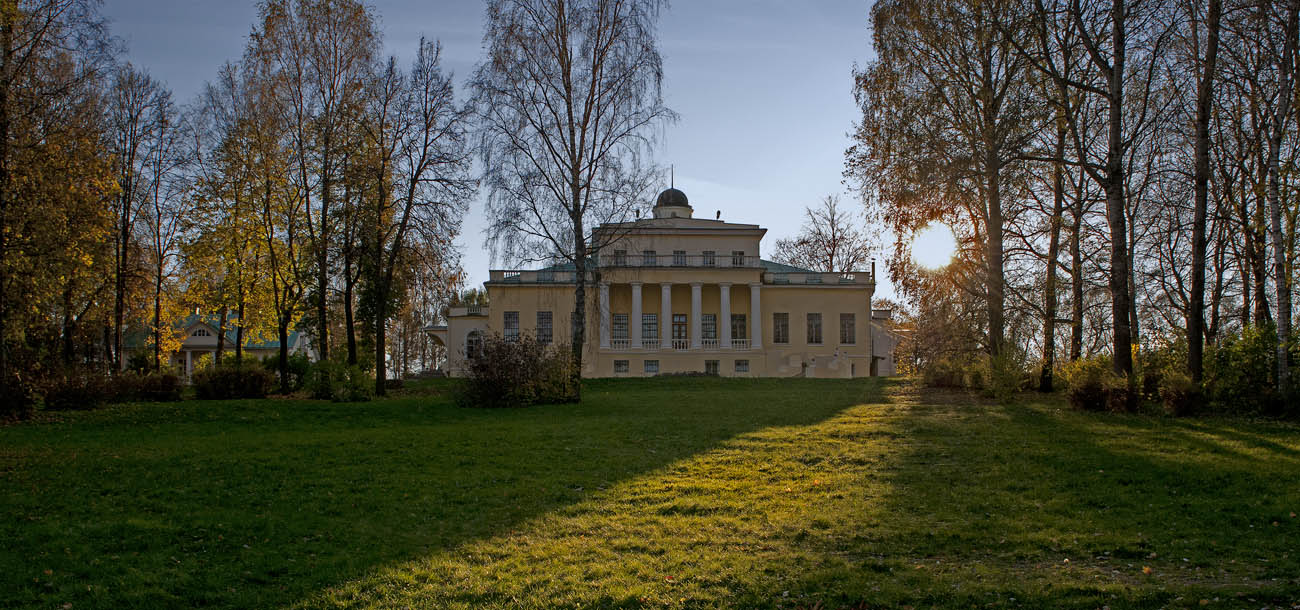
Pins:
x: 1240, y: 372
x: 232, y: 382
x: 354, y: 385
x: 1090, y: 382
x: 1181, y: 397
x: 19, y: 394
x: 299, y: 368
x: 1007, y: 375
x: 160, y: 386
x: 333, y: 380
x: 517, y: 373
x: 945, y: 373
x: 79, y: 388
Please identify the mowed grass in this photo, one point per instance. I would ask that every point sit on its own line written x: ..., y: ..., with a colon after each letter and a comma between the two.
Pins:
x: 651, y: 493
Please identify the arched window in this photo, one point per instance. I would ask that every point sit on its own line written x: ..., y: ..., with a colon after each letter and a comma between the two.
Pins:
x: 202, y: 332
x: 473, y: 344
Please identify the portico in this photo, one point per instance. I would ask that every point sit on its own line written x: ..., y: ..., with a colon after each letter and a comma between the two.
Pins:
x: 709, y: 317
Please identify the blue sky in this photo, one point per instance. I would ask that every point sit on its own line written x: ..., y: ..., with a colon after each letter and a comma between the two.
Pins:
x: 763, y: 88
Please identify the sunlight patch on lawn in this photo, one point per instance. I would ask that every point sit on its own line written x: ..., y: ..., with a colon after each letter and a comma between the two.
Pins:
x: 733, y: 526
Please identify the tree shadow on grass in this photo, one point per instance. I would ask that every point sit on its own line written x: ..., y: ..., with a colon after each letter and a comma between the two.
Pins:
x: 1039, y: 507
x: 264, y: 504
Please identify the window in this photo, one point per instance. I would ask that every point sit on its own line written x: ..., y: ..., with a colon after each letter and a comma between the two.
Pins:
x: 737, y: 258
x: 742, y: 366
x: 709, y: 325
x: 649, y: 258
x: 652, y: 367
x: 814, y: 329
x: 709, y: 258
x: 848, y: 329
x: 679, y: 258
x: 202, y: 332
x: 512, y: 325
x: 710, y: 367
x: 649, y: 327
x: 679, y: 329
x: 738, y: 326
x: 620, y: 326
x: 545, y: 327
x: 473, y: 344
x: 780, y: 328
x: 620, y: 366
x: 620, y: 258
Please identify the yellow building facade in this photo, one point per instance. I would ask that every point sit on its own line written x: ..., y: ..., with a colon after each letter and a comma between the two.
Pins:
x: 677, y: 294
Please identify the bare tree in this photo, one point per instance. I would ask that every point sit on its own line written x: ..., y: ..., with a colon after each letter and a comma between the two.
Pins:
x: 421, y: 182
x: 1201, y: 182
x: 567, y: 99
x: 829, y: 241
x: 137, y: 110
x: 1277, y: 130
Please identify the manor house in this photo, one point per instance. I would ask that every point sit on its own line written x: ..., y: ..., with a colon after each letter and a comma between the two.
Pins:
x: 679, y: 294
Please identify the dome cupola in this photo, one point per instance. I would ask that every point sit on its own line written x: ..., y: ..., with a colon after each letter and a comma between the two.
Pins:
x: 672, y: 203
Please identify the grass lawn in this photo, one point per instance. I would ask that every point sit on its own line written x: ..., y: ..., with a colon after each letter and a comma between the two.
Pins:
x: 665, y: 492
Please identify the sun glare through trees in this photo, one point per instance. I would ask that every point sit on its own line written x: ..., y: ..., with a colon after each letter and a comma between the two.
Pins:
x: 934, y: 246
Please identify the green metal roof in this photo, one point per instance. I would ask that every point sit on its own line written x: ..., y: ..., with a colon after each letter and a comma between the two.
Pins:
x: 775, y: 267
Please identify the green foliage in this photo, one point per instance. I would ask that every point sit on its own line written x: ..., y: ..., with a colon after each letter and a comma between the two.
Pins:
x: 299, y: 368
x: 336, y: 381
x: 1240, y: 372
x: 517, y: 373
x: 1006, y: 375
x: 140, y: 362
x: 1093, y: 386
x: 1000, y: 378
x: 232, y: 382
x: 1180, y: 395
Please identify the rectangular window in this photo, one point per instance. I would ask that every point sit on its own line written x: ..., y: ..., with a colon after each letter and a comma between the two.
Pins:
x: 545, y: 327
x: 620, y: 258
x: 848, y: 329
x: 780, y: 328
x: 679, y: 258
x: 710, y: 367
x: 709, y: 326
x: 737, y: 258
x: 738, y: 327
x: 620, y: 366
x: 650, y: 326
x: 814, y: 329
x: 511, y: 325
x: 679, y: 328
x: 620, y: 326
x: 742, y: 366
x: 649, y: 258
x: 652, y: 367
x: 710, y: 258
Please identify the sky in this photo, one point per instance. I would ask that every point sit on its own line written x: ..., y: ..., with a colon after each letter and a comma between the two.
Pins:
x: 763, y: 89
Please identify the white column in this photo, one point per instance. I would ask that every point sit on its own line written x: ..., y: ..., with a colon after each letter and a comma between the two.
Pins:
x: 755, y: 317
x: 696, y: 306
x: 724, y: 315
x: 189, y: 363
x: 666, y: 316
x: 604, y: 315
x: 636, y: 315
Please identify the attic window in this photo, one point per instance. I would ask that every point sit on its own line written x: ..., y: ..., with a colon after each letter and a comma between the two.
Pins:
x: 202, y: 332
